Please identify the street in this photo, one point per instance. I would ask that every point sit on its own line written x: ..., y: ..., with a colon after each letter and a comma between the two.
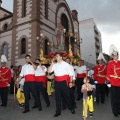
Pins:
x: 102, y: 111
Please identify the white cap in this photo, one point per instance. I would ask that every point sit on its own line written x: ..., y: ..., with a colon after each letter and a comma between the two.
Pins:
x: 101, y: 57
x: 113, y: 50
x: 3, y: 58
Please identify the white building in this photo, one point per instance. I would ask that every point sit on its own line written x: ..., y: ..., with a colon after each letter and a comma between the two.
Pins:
x: 21, y: 31
x: 90, y: 45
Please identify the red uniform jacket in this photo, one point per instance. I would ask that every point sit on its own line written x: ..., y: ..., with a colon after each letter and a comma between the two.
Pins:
x: 5, y: 77
x: 113, y: 73
x: 100, y: 74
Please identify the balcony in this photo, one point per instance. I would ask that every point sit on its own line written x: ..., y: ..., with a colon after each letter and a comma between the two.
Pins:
x: 96, y: 30
x: 97, y: 45
x: 97, y: 37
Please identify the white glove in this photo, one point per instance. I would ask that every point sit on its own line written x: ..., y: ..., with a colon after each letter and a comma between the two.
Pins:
x: 8, y: 84
x: 96, y: 82
x: 109, y: 85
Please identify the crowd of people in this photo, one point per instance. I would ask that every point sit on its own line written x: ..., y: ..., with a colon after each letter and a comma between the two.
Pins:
x: 60, y: 77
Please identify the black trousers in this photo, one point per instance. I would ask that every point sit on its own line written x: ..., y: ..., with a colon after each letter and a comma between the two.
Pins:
x: 62, y: 89
x: 72, y: 97
x: 12, y: 86
x: 100, y: 91
x: 4, y: 95
x: 79, y: 86
x: 30, y: 87
x: 106, y: 90
x: 41, y: 89
x: 115, y: 99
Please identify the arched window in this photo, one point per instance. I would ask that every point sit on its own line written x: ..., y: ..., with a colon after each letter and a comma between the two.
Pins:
x: 4, y: 51
x: 46, y: 47
x: 23, y: 8
x: 64, y: 22
x: 23, y: 46
x: 46, y: 9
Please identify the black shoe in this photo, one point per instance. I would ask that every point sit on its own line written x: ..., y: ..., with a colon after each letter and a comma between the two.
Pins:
x: 21, y: 105
x: 48, y: 105
x: 34, y: 107
x: 73, y: 111
x: 116, y: 115
x: 91, y: 114
x: 3, y: 105
x: 63, y: 108
x: 75, y: 106
x: 40, y: 108
x: 102, y: 102
x: 78, y: 99
x: 57, y: 114
x: 25, y: 111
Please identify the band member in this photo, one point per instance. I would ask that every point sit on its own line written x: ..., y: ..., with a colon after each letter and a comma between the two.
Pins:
x: 41, y: 81
x: 100, y: 77
x: 72, y: 89
x: 5, y: 79
x: 81, y: 73
x: 113, y: 75
x: 62, y: 72
x: 28, y: 71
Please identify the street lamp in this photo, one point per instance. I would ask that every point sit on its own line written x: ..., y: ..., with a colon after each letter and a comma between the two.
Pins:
x: 40, y: 40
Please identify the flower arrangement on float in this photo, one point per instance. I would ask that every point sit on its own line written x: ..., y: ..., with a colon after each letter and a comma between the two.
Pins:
x: 74, y: 57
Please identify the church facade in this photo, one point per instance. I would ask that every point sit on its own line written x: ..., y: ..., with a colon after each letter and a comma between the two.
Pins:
x: 35, y: 24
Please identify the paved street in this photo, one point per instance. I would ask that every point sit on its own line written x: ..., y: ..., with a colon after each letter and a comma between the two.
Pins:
x: 102, y: 112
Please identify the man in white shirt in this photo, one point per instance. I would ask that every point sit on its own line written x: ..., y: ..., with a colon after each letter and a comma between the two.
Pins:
x: 41, y: 81
x: 81, y: 73
x: 28, y: 71
x: 62, y: 73
x: 72, y: 96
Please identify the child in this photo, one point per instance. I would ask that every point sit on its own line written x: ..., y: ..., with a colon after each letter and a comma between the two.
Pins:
x: 20, y: 94
x: 50, y: 88
x: 92, y: 82
x: 87, y: 98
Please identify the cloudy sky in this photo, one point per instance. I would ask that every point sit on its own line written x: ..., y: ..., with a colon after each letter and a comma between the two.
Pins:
x: 106, y: 14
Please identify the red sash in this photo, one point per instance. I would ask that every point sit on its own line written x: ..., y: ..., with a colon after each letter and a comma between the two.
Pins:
x: 29, y: 78
x: 81, y: 75
x: 62, y: 78
x: 41, y: 79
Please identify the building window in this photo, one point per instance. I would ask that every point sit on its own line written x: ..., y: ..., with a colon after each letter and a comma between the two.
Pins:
x: 23, y: 46
x: 23, y: 8
x: 4, y: 49
x: 5, y: 27
x: 46, y: 46
x: 46, y: 9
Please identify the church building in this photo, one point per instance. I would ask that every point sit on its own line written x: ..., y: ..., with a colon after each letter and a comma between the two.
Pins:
x: 35, y: 25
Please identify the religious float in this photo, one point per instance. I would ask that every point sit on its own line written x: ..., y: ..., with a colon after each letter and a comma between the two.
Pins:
x: 60, y: 45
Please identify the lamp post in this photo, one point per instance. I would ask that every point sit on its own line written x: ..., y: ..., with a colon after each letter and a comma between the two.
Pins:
x: 40, y: 40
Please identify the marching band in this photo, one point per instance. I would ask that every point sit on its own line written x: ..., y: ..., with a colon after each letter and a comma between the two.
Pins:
x: 35, y: 78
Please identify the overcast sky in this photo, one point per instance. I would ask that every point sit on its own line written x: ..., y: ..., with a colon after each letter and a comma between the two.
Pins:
x: 106, y: 14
